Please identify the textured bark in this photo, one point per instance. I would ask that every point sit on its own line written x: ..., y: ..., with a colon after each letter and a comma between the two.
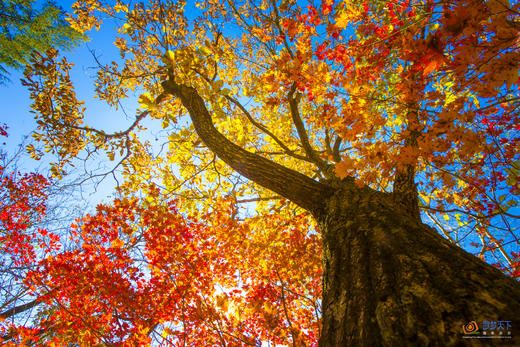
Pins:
x: 390, y: 280
x: 405, y: 189
x: 405, y: 192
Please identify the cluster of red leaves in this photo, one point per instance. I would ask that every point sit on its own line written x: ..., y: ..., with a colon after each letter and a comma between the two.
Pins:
x: 23, y: 200
x: 22, y: 204
x: 141, y: 271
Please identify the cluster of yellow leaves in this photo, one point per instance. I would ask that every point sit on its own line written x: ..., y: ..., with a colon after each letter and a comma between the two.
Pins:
x: 59, y: 113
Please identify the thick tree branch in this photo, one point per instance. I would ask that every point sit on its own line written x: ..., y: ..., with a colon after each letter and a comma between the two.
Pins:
x: 19, y: 309
x: 405, y: 188
x: 327, y: 142
x: 258, y: 125
x: 298, y: 188
x: 302, y: 133
x: 335, y: 149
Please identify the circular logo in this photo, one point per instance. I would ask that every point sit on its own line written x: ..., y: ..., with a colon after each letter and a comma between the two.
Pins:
x: 470, y: 327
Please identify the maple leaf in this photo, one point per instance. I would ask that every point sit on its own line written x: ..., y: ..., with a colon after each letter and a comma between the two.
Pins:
x: 343, y: 168
x: 431, y: 67
x: 342, y: 20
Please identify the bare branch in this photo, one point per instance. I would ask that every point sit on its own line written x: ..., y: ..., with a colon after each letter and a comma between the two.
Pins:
x: 302, y: 133
x: 19, y: 309
x: 265, y: 130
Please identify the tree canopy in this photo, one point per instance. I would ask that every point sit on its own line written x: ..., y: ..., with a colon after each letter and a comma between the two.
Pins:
x: 414, y: 99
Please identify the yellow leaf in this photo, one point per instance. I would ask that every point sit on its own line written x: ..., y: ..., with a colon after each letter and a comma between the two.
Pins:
x: 170, y: 56
x: 343, y: 168
x: 222, y: 302
x: 146, y: 101
x: 127, y: 28
x: 342, y: 20
x: 118, y: 243
x: 120, y: 8
x: 225, y: 91
x: 166, y: 332
x: 268, y: 307
x: 217, y: 85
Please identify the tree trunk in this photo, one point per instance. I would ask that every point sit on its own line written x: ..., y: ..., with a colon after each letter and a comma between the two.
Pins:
x: 390, y: 280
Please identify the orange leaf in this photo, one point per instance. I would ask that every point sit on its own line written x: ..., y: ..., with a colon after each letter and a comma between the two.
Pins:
x: 343, y: 168
x: 430, y: 67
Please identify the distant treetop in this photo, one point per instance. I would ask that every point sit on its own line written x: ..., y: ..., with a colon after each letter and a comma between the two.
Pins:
x: 26, y: 27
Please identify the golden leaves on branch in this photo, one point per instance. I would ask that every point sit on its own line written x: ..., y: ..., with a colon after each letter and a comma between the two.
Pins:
x: 59, y: 114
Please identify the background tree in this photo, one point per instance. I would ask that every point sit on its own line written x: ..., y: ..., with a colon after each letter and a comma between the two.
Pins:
x: 34, y: 212
x: 22, y: 205
x: 359, y: 118
x: 25, y: 28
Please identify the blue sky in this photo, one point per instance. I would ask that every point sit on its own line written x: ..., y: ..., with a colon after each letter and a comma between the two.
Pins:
x: 16, y: 111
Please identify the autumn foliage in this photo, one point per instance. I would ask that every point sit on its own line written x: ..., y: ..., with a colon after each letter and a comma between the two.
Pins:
x: 22, y: 202
x: 23, y: 198
x: 140, y: 271
x: 420, y: 93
